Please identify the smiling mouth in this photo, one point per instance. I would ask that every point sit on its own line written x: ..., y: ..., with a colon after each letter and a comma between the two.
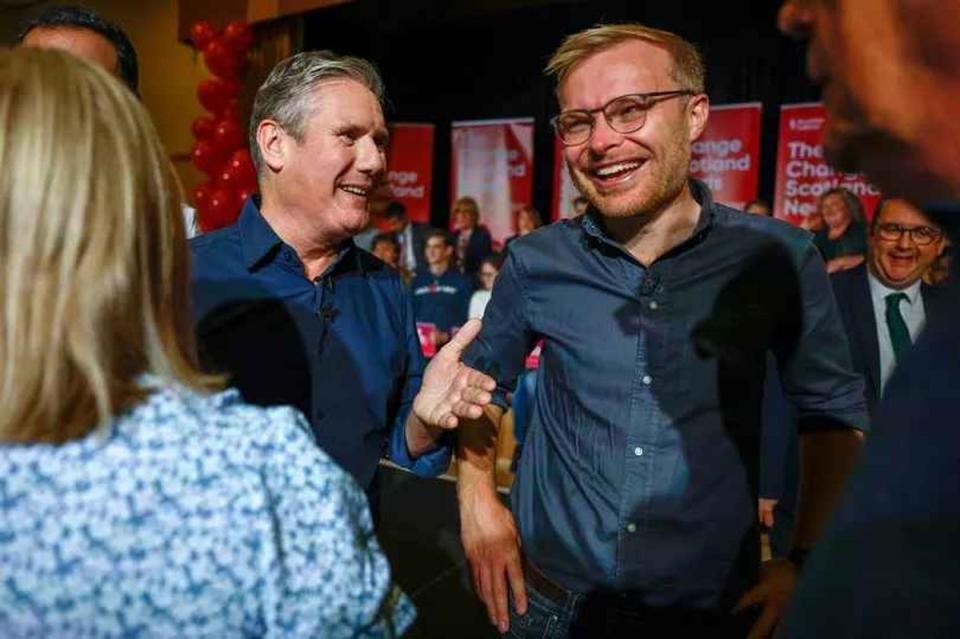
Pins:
x: 616, y: 173
x: 354, y: 189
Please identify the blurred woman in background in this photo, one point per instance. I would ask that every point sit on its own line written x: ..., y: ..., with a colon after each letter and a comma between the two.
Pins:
x: 489, y: 269
x: 843, y: 239
x: 525, y: 220
x: 134, y: 498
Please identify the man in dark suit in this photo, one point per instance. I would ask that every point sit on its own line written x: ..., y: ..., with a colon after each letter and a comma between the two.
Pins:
x: 411, y: 236
x: 887, y: 565
x: 883, y: 303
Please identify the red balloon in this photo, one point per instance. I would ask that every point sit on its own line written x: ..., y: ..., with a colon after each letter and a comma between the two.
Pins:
x: 207, y: 157
x: 228, y: 136
x: 246, y: 193
x: 242, y: 164
x: 231, y: 111
x: 223, y: 208
x: 201, y: 195
x: 203, y: 127
x: 231, y: 87
x: 202, y: 33
x: 238, y: 35
x: 222, y: 60
x: 212, y: 94
x: 229, y: 178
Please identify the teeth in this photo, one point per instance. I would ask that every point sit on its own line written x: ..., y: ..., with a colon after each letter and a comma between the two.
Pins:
x: 616, y: 168
x: 356, y: 190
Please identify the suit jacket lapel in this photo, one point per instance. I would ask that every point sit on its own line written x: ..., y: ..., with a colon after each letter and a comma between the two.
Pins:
x: 866, y: 323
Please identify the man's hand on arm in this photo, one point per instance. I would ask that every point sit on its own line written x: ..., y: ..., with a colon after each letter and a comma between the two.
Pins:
x: 487, y: 527
x: 827, y: 457
x: 450, y: 391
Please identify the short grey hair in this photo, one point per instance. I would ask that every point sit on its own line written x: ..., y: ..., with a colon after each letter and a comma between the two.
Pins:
x: 286, y: 95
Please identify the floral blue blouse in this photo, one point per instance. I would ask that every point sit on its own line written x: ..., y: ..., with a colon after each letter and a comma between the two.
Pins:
x: 190, y: 516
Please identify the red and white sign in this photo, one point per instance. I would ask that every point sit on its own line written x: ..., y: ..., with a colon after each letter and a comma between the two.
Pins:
x: 492, y: 162
x: 410, y: 168
x: 727, y: 155
x: 564, y: 190
x: 427, y: 334
x: 802, y: 173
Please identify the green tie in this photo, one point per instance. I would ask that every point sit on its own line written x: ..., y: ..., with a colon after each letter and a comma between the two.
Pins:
x: 899, y: 335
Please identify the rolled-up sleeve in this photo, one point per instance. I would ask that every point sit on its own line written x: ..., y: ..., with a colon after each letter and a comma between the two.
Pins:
x: 506, y: 338
x: 815, y: 368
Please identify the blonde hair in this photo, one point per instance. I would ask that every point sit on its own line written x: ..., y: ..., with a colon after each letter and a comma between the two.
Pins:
x: 469, y: 205
x: 93, y: 256
x: 688, y: 69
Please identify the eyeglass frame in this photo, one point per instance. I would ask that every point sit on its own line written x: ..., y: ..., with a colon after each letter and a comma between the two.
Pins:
x: 656, y: 96
x: 909, y: 230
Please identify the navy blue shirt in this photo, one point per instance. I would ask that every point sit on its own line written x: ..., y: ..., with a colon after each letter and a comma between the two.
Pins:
x: 888, y: 564
x: 343, y: 348
x: 442, y: 301
x: 639, y: 470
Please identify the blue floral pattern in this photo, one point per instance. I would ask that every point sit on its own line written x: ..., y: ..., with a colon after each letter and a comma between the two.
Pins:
x: 190, y: 516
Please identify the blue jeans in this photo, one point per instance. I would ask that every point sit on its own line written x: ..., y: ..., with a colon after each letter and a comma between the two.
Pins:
x: 604, y: 615
x: 545, y: 619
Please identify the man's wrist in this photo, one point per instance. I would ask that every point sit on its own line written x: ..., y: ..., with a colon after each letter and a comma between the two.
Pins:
x: 420, y: 436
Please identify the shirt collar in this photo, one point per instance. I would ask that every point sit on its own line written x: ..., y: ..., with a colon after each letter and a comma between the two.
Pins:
x: 879, y: 291
x: 258, y: 240
x: 590, y: 221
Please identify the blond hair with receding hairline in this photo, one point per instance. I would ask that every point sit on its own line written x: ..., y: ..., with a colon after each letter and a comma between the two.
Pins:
x: 688, y: 69
x: 93, y: 255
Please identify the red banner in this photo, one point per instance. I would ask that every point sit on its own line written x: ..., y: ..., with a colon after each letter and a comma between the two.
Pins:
x: 564, y: 190
x: 410, y: 168
x: 492, y: 162
x: 802, y: 173
x: 727, y: 155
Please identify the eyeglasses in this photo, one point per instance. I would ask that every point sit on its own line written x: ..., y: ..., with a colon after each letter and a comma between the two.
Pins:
x: 921, y: 235
x: 625, y: 114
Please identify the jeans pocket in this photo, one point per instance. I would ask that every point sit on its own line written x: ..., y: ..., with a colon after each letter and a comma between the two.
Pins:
x: 541, y: 619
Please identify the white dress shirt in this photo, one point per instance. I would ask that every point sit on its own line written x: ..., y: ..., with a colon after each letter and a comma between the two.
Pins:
x: 913, y: 314
x: 408, y: 255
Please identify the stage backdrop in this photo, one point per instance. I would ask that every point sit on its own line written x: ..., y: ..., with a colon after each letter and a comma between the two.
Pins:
x: 564, y: 192
x: 410, y: 167
x: 727, y: 155
x: 492, y: 162
x: 802, y: 173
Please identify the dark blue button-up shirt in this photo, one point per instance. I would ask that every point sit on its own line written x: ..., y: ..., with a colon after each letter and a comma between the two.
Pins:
x: 343, y: 348
x: 639, y: 471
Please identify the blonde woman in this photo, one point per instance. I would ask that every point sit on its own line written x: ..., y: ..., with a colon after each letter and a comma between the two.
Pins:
x: 134, y: 499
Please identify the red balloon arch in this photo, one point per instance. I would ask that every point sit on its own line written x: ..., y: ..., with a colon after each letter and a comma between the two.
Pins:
x: 220, y: 147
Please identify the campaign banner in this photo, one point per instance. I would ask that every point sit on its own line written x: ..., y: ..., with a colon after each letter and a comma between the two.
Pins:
x: 727, y: 156
x: 492, y: 162
x: 802, y: 173
x: 410, y: 167
x: 564, y: 190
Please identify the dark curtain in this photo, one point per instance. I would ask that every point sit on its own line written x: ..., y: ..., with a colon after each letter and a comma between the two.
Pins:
x: 445, y: 60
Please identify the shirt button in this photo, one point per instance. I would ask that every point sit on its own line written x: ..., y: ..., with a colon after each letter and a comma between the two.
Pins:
x: 631, y: 527
x: 646, y: 380
x: 653, y: 305
x: 638, y: 451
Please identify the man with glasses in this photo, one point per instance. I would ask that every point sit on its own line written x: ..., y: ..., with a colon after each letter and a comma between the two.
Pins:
x: 635, y: 499
x: 884, y: 304
x: 888, y: 565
